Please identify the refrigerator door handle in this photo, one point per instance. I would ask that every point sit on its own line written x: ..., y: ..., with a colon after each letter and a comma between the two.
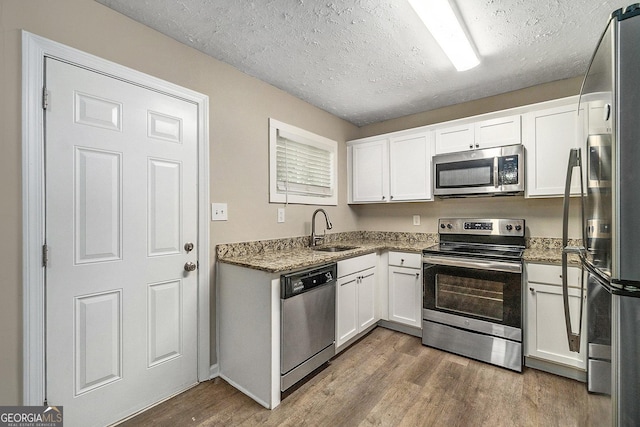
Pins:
x: 574, y: 161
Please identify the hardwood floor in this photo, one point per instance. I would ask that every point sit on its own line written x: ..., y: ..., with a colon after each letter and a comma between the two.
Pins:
x: 391, y: 379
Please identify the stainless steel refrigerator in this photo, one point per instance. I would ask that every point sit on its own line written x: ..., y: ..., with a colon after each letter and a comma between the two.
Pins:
x: 609, y: 169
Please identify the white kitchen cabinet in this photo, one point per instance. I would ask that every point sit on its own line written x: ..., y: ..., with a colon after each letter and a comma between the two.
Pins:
x: 249, y: 313
x: 405, y: 288
x: 495, y: 132
x: 410, y: 167
x: 546, y: 337
x: 356, y: 308
x: 394, y: 168
x: 369, y: 172
x: 452, y: 139
x: 548, y: 135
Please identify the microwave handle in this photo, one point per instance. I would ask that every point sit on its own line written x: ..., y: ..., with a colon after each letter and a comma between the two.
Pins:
x: 495, y: 172
x: 575, y: 161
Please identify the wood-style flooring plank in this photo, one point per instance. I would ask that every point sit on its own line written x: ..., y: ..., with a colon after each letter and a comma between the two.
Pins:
x: 391, y: 379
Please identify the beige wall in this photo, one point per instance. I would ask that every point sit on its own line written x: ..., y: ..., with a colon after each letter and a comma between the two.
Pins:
x: 239, y: 110
x: 240, y: 107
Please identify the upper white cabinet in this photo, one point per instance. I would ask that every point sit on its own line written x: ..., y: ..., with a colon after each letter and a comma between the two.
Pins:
x: 395, y: 168
x: 410, y: 167
x: 548, y: 135
x: 455, y: 138
x: 369, y: 171
x: 481, y: 134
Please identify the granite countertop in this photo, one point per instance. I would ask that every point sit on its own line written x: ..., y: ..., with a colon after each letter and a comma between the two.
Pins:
x: 282, y: 255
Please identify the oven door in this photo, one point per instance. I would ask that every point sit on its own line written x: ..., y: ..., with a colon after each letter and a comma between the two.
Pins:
x: 468, y: 288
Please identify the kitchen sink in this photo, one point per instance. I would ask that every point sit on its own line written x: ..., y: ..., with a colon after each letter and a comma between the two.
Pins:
x: 333, y: 248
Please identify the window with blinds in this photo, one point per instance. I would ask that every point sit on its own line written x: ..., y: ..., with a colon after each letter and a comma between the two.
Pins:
x: 303, y: 166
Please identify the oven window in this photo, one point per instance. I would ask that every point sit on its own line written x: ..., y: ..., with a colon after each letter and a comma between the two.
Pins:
x: 494, y: 296
x: 477, y: 297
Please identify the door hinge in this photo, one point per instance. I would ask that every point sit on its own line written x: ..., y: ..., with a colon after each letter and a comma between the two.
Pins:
x: 45, y: 255
x: 45, y: 98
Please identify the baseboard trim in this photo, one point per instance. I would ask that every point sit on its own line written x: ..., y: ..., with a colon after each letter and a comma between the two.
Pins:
x: 214, y: 371
x: 556, y: 369
x: 405, y: 329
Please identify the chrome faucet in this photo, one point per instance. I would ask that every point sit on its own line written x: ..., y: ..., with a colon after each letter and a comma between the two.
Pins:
x: 315, y: 239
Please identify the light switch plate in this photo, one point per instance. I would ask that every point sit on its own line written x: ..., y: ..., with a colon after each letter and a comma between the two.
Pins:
x: 416, y: 220
x: 280, y: 214
x: 219, y: 212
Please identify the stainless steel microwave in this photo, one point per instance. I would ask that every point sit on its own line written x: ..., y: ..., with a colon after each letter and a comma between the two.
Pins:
x: 489, y: 171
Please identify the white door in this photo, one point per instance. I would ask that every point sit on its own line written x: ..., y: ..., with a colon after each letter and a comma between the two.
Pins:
x: 121, y: 203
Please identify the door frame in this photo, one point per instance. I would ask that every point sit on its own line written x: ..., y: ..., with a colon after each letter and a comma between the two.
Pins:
x: 34, y: 51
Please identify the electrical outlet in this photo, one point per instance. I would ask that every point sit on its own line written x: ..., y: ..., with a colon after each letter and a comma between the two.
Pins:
x: 219, y: 212
x: 280, y: 214
x: 416, y: 220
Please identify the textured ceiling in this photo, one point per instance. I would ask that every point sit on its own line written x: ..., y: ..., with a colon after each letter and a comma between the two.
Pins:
x: 372, y: 60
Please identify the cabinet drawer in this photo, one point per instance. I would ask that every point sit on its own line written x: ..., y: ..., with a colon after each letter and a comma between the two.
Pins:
x: 405, y: 259
x: 353, y: 265
x: 552, y: 274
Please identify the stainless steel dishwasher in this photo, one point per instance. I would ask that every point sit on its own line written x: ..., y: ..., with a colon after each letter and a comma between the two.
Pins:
x: 308, y: 328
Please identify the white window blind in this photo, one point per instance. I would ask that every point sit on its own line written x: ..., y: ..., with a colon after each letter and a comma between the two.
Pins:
x: 302, y: 166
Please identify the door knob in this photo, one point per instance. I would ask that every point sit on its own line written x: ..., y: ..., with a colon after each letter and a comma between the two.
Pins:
x: 189, y: 266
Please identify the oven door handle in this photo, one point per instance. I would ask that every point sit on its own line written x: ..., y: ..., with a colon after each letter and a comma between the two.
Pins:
x: 484, y: 264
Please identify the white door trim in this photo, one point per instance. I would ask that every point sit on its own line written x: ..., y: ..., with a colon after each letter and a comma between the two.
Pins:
x: 34, y: 50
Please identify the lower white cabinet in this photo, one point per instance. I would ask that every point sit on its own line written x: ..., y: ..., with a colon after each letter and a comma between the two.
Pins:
x: 355, y: 297
x: 546, y: 337
x: 405, y: 288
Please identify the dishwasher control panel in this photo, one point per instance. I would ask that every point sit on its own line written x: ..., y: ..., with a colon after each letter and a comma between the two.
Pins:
x: 302, y: 281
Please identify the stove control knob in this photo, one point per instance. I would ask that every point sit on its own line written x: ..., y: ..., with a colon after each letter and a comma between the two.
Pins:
x: 518, y: 227
x: 442, y: 226
x: 509, y: 227
x: 449, y: 226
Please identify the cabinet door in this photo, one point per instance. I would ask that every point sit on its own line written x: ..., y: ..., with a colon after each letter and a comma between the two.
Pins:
x: 410, y: 167
x: 455, y: 138
x: 405, y: 296
x: 366, y: 299
x: 370, y: 171
x: 346, y: 309
x: 545, y: 328
x: 498, y: 132
x: 548, y: 137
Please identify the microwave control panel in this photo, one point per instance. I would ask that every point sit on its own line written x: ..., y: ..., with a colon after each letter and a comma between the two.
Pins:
x: 508, y: 170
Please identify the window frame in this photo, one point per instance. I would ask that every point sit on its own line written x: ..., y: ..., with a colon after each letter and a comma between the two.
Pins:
x: 300, y: 136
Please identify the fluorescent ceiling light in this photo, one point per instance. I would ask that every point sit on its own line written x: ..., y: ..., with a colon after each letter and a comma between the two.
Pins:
x: 443, y: 24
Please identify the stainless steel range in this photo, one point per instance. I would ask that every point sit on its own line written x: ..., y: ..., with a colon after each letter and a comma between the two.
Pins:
x: 472, y: 302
